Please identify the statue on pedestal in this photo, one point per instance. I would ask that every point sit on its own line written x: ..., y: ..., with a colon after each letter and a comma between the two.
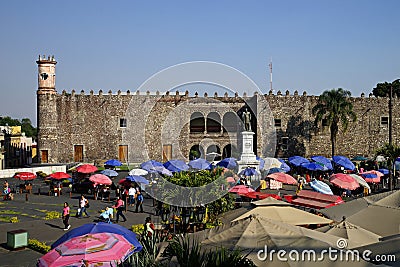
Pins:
x: 246, y: 117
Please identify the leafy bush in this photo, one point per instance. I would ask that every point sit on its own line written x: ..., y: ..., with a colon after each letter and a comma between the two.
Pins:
x: 188, y: 252
x: 53, y: 215
x: 14, y: 220
x: 138, y: 228
x: 38, y: 246
x: 41, y: 174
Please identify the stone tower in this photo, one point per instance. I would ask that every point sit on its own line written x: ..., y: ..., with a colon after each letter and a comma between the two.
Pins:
x: 46, y: 108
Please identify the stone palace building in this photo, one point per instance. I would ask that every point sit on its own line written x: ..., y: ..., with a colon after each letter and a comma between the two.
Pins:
x: 134, y: 127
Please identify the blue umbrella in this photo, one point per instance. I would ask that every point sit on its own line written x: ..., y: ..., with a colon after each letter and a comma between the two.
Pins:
x: 161, y: 170
x: 150, y: 164
x: 248, y: 172
x: 138, y: 179
x: 284, y: 166
x: 109, y: 173
x: 229, y: 163
x: 321, y: 187
x: 176, y: 165
x: 359, y: 158
x: 312, y: 166
x: 368, y: 175
x: 113, y: 162
x: 323, y: 160
x: 274, y: 170
x: 297, y: 160
x: 262, y: 162
x: 91, y: 228
x: 384, y: 171
x: 344, y: 162
x: 200, y: 164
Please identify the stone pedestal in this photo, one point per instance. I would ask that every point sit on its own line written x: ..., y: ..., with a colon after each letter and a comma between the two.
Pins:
x: 248, y: 158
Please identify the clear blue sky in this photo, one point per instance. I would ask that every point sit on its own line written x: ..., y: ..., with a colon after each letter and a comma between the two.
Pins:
x: 314, y: 45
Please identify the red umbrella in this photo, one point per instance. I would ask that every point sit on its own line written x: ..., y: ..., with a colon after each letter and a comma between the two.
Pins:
x: 125, y: 182
x: 86, y: 168
x: 282, y: 177
x: 100, y: 179
x: 25, y: 176
x: 344, y: 181
x: 261, y: 195
x: 240, y: 189
x: 60, y: 175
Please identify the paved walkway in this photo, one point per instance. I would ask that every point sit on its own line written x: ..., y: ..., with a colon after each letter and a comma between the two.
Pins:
x: 31, y: 215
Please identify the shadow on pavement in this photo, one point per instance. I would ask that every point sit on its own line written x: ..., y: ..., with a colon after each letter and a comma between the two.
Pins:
x: 54, y: 226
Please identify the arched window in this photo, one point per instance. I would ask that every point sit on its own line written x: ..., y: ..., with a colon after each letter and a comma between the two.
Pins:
x: 230, y: 122
x: 213, y: 123
x: 196, y: 152
x: 197, y: 123
x: 213, y: 153
x: 229, y: 151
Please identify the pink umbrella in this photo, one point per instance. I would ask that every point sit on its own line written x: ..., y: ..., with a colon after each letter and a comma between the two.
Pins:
x: 372, y: 176
x: 25, y: 176
x: 99, y: 249
x: 59, y: 175
x: 100, y: 179
x: 282, y: 177
x: 86, y: 168
x: 240, y: 189
x: 344, y: 181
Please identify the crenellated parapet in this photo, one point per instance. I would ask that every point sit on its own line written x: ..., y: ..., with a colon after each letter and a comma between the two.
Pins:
x: 187, y: 94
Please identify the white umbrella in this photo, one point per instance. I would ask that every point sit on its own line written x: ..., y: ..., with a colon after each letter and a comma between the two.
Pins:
x: 138, y: 172
x: 361, y: 181
x: 380, y: 158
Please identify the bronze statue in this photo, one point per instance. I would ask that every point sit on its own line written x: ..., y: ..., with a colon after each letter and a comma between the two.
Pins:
x: 246, y: 117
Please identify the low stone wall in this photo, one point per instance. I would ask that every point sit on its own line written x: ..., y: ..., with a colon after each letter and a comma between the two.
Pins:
x: 46, y: 169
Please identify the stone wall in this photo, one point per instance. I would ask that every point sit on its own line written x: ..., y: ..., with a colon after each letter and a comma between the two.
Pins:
x: 93, y: 120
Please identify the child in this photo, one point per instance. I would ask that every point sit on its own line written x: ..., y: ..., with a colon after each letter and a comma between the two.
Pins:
x: 149, y: 227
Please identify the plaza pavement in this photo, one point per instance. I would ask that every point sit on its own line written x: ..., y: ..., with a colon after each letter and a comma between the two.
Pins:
x: 31, y: 215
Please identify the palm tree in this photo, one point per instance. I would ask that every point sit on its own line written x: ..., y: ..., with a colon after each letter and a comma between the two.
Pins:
x: 335, y: 108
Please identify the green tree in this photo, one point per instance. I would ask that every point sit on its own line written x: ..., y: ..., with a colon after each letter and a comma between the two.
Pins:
x: 27, y: 128
x: 383, y: 89
x: 335, y: 109
x: 391, y: 152
x: 25, y: 123
x: 9, y: 121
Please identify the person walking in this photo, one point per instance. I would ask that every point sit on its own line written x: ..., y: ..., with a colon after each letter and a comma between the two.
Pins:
x: 139, y: 200
x: 83, y: 204
x: 119, y: 206
x: 65, y: 216
x: 132, y: 193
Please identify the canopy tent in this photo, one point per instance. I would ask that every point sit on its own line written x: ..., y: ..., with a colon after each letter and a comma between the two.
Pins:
x: 369, y: 213
x: 254, y: 233
x: 270, y: 201
x: 286, y: 214
x: 356, y: 235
